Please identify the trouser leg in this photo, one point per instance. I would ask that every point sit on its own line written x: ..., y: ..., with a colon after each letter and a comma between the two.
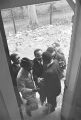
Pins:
x: 42, y: 94
x: 42, y: 98
x: 52, y: 101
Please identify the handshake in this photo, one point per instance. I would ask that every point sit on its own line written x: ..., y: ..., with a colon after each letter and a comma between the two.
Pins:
x: 36, y: 90
x: 40, y: 80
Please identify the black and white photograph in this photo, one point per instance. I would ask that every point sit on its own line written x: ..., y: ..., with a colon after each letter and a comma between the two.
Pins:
x: 40, y: 62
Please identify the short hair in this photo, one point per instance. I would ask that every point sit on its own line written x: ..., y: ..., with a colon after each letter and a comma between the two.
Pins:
x: 26, y: 63
x: 13, y: 56
x: 51, y: 49
x: 46, y: 57
x: 37, y: 50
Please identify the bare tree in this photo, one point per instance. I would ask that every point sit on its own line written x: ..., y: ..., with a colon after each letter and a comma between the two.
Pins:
x: 13, y: 21
x: 22, y: 12
x: 51, y: 10
x: 33, y: 20
x: 25, y: 11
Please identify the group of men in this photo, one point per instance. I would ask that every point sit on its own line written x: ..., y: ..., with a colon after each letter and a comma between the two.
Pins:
x: 47, y: 71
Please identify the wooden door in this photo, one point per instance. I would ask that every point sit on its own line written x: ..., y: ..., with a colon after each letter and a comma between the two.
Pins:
x: 71, y: 107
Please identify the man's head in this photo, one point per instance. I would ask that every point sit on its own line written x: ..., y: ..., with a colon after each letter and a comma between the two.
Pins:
x: 46, y: 57
x: 26, y: 64
x: 38, y: 54
x: 52, y: 51
x: 15, y: 58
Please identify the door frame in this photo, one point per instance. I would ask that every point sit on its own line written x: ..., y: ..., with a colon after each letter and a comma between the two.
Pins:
x: 7, y: 88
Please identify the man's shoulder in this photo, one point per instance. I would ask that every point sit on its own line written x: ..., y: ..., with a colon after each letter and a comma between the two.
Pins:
x: 34, y: 60
x: 55, y: 61
x: 60, y: 56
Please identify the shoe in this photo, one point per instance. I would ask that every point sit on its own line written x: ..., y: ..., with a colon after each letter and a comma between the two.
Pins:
x: 29, y: 113
x: 42, y: 103
x: 47, y: 109
x: 52, y: 110
x: 46, y: 104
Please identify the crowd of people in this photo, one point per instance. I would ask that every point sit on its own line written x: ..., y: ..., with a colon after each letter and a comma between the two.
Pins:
x: 43, y: 74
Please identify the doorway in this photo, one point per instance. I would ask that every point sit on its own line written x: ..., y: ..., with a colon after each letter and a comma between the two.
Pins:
x: 52, y: 24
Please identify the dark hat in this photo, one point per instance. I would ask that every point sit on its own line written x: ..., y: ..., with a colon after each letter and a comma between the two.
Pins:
x: 26, y: 62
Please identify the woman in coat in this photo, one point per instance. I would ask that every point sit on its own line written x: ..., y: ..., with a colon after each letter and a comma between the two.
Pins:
x: 26, y: 85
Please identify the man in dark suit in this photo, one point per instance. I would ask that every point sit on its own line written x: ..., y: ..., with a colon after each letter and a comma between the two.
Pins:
x: 51, y: 77
x: 15, y: 67
x: 58, y: 55
x: 37, y: 73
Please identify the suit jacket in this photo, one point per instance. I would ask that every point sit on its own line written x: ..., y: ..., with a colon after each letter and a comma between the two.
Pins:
x: 52, y: 81
x: 37, y: 70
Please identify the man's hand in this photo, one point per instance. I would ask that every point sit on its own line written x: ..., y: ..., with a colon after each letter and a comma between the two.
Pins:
x: 40, y: 79
x: 36, y: 90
